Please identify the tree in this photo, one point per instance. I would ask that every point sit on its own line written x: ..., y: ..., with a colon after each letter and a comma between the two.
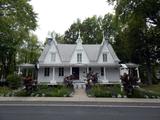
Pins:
x: 30, y: 50
x: 140, y: 26
x: 109, y: 27
x: 71, y: 34
x: 91, y: 30
x: 59, y: 38
x: 17, y: 19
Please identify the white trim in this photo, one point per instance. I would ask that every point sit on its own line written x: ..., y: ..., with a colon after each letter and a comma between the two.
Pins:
x: 70, y: 70
x: 53, y: 73
x: 53, y: 81
x: 87, y: 70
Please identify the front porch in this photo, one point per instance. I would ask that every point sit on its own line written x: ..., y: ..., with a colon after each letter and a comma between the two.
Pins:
x: 107, y: 74
x: 54, y: 74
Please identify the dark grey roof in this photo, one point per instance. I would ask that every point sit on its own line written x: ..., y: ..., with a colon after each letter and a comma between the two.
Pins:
x: 44, y: 53
x: 113, y: 53
x: 92, y: 51
x: 66, y: 51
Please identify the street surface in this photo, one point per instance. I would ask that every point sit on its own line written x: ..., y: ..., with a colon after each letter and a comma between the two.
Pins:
x: 78, y: 111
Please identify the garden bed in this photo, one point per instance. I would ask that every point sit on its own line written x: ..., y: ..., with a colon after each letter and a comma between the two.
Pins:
x: 144, y: 93
x: 5, y: 91
x: 115, y: 91
x: 46, y: 91
x: 154, y: 87
x: 105, y: 91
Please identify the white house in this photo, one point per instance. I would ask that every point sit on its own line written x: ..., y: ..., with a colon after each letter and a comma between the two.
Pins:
x: 60, y: 60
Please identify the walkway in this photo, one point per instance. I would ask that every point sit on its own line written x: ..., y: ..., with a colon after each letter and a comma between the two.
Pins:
x: 80, y: 94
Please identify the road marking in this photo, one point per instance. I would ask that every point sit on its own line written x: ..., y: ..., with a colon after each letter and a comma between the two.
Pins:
x: 76, y: 105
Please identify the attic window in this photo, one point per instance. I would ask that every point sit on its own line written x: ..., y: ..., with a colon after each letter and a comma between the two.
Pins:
x: 104, y: 57
x: 53, y: 57
x: 79, y: 57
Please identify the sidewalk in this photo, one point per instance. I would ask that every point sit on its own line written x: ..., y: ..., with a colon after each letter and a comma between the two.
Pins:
x: 78, y: 99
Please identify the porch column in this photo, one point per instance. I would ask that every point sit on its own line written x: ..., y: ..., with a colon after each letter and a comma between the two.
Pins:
x: 138, y: 74
x: 19, y: 70
x: 53, y: 73
x: 104, y: 69
x: 87, y: 70
x: 70, y: 70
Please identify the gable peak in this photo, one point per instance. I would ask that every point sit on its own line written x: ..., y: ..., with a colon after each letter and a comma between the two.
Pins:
x: 79, y: 40
x: 51, y: 38
x: 105, y: 38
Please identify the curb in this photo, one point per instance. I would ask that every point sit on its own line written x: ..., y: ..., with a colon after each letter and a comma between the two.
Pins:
x: 78, y: 99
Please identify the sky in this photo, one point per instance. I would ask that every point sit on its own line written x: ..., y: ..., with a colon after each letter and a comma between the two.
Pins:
x: 58, y: 15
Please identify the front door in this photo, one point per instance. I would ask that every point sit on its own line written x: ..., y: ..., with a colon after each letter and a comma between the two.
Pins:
x: 75, y: 73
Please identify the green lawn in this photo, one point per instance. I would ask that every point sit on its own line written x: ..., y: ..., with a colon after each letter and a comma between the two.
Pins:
x: 154, y: 88
x: 147, y: 91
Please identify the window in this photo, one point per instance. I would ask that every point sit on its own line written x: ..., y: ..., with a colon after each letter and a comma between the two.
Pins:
x: 61, y: 71
x: 79, y: 57
x: 90, y: 69
x: 104, y: 57
x: 53, y: 57
x: 102, y: 71
x: 46, y: 72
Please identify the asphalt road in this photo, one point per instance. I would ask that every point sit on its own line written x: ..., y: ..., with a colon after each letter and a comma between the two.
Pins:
x: 78, y: 112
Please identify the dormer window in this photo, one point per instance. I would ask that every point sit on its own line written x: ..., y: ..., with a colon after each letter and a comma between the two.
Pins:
x: 104, y: 57
x: 79, y: 57
x: 53, y: 57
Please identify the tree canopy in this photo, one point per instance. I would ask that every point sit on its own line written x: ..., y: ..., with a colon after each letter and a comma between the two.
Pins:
x: 92, y: 29
x: 30, y: 51
x: 17, y: 19
x: 139, y: 21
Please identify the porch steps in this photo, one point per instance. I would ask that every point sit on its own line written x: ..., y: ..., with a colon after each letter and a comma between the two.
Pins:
x: 79, y: 84
x: 80, y: 93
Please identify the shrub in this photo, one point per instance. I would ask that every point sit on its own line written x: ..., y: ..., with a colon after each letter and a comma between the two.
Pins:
x: 14, y: 81
x: 53, y: 91
x: 99, y: 91
x: 5, y: 90
x: 105, y: 91
x: 48, y: 91
x: 59, y: 91
x: 115, y: 90
x: 22, y: 93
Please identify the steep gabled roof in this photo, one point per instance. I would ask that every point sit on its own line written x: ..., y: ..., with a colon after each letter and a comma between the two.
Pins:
x: 113, y: 53
x: 92, y: 51
x: 110, y: 48
x: 44, y: 53
x: 66, y: 51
